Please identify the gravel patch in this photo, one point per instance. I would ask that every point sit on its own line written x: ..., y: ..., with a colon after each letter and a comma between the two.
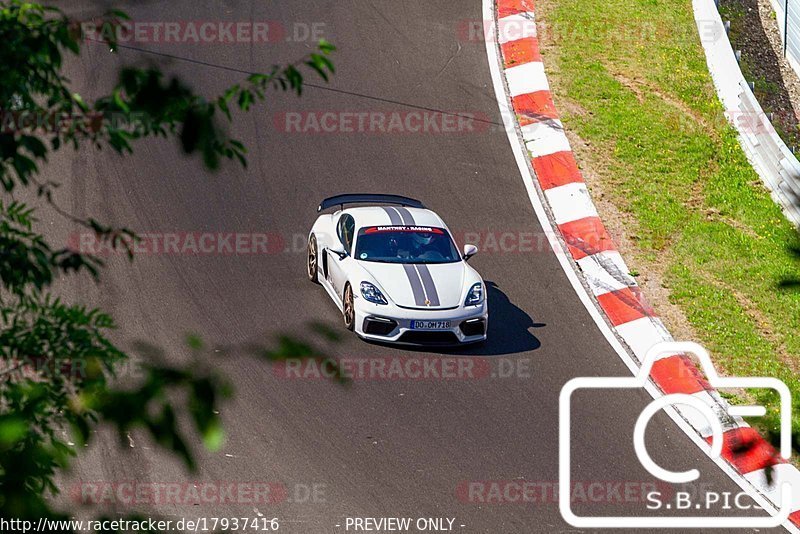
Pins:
x: 756, y: 32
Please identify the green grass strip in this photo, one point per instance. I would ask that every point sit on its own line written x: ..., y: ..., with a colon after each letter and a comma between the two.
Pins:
x: 632, y: 81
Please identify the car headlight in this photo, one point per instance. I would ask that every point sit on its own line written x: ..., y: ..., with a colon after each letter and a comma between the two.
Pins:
x: 475, y: 295
x: 372, y: 294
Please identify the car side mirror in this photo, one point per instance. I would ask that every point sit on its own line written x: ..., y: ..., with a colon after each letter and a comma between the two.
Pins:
x: 469, y: 251
x: 337, y: 248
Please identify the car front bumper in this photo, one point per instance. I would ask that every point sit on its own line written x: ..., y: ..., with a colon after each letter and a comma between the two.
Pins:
x: 392, y: 324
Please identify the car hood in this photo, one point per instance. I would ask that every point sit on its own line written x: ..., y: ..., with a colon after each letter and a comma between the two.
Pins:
x: 420, y: 285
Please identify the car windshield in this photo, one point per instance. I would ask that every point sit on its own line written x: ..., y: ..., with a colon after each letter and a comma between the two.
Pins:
x: 405, y: 244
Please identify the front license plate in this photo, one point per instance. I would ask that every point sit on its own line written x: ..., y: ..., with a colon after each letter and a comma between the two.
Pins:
x: 430, y: 325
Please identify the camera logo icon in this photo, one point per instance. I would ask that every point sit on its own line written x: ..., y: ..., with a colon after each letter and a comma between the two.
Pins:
x: 639, y: 381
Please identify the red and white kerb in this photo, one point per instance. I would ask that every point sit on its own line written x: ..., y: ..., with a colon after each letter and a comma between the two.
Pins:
x: 602, y: 267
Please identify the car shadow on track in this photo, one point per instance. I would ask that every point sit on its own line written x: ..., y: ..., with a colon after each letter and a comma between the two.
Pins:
x: 509, y: 328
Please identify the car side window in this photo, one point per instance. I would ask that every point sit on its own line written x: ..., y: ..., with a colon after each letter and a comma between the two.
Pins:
x: 346, y: 229
x: 349, y: 233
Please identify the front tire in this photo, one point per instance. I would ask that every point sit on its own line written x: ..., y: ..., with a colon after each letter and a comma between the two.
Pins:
x: 312, y: 264
x: 348, y: 308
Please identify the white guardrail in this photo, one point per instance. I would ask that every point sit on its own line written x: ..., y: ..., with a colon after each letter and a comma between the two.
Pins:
x: 774, y: 162
x: 787, y: 15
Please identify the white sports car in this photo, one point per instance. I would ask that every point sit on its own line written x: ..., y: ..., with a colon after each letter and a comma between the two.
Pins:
x: 393, y: 269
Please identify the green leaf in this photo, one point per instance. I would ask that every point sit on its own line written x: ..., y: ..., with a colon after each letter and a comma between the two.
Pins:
x: 316, y: 64
x: 222, y: 103
x: 325, y: 46
x: 214, y: 436
x: 12, y: 429
x: 120, y: 102
x: 77, y: 99
x: 194, y: 341
x: 245, y: 99
x: 294, y: 78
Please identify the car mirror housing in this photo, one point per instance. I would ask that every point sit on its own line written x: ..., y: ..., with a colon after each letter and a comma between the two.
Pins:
x: 337, y: 248
x: 469, y: 251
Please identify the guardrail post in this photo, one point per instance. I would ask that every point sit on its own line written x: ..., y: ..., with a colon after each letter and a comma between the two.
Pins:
x: 785, y: 27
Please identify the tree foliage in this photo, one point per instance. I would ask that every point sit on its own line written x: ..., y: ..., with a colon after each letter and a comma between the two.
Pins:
x: 57, y: 365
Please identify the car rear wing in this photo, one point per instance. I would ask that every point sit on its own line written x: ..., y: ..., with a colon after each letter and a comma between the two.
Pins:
x: 366, y: 198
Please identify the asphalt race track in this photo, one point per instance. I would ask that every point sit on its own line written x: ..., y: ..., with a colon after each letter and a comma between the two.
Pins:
x: 382, y: 448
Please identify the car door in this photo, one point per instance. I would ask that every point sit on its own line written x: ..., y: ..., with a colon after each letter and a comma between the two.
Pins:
x: 338, y: 266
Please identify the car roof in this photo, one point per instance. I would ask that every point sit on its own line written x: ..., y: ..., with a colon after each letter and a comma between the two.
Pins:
x: 391, y: 215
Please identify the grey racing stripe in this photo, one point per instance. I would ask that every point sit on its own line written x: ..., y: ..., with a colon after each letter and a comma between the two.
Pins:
x: 416, y: 285
x: 427, y: 282
x: 394, y: 216
x: 408, y: 219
